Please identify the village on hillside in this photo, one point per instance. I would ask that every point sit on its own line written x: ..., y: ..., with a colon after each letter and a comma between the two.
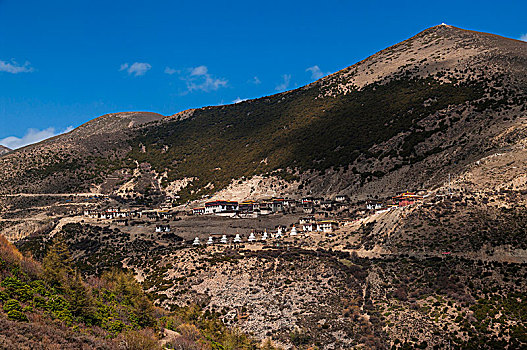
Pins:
x: 309, y: 215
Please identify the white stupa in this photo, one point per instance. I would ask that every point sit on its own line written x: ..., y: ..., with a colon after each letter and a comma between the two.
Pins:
x: 293, y: 231
x: 223, y: 239
x: 237, y: 239
x: 196, y: 241
x: 252, y: 238
x: 264, y: 236
x: 210, y: 241
x: 279, y: 232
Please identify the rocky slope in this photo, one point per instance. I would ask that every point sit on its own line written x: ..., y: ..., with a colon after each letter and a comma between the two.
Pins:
x: 302, y: 294
x: 71, y: 161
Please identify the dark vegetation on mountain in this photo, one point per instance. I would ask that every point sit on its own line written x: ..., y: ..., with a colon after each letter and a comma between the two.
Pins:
x: 467, y: 304
x: 299, y: 131
x: 466, y: 229
x: 100, y: 249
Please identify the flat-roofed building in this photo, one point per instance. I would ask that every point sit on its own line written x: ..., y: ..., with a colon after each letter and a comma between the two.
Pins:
x: 221, y: 206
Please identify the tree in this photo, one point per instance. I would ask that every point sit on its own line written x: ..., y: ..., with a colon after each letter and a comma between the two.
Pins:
x: 57, y: 263
x: 129, y: 292
x: 81, y: 299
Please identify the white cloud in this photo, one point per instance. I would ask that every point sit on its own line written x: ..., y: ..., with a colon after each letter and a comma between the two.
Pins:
x: 316, y: 72
x: 136, y: 69
x: 286, y: 79
x: 139, y: 68
x: 199, y: 78
x: 524, y: 37
x: 14, y: 68
x: 171, y: 71
x: 32, y: 136
x: 255, y: 81
x: 201, y: 70
x: 238, y: 100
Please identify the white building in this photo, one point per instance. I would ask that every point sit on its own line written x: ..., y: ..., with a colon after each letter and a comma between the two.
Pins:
x: 221, y: 207
x: 121, y: 214
x: 107, y: 215
x: 373, y: 205
x: 291, y: 203
x: 198, y: 211
x: 306, y: 220
x: 162, y: 228
x: 327, y: 226
x: 341, y: 198
x: 94, y: 214
x: 308, y: 227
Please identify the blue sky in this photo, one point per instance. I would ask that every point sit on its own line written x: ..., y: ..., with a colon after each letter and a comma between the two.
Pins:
x: 63, y: 63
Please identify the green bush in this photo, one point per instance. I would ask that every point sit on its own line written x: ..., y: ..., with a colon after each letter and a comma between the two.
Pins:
x: 17, y: 315
x: 114, y: 326
x: 39, y: 302
x: 12, y: 304
x: 11, y: 285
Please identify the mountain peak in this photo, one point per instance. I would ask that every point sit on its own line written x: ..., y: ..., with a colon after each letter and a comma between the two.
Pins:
x: 436, y: 50
x: 115, y: 122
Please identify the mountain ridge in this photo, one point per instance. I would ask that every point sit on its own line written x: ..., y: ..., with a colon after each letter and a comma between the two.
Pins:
x: 343, y: 70
x: 444, y: 74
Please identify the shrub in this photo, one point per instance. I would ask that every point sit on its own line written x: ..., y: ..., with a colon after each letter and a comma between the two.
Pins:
x: 12, y: 304
x: 113, y: 326
x: 139, y: 340
x: 11, y: 285
x: 57, y: 263
x: 17, y: 315
x: 183, y: 343
x: 8, y: 252
x: 189, y: 331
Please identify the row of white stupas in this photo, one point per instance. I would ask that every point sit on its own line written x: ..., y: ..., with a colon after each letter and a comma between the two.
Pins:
x: 252, y: 237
